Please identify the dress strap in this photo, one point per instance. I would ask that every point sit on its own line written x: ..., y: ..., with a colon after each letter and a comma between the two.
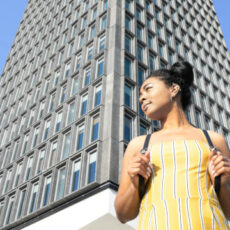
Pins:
x: 217, y: 178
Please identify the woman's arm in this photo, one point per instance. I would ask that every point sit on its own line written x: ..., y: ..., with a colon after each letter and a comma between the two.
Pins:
x: 220, y: 165
x: 127, y: 201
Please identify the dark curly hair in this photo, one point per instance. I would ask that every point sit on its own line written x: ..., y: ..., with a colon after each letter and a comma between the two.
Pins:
x: 180, y: 73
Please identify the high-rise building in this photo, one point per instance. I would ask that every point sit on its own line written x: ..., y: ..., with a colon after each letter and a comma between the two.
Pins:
x: 69, y: 101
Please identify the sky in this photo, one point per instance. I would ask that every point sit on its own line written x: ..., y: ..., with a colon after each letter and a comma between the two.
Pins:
x: 11, y: 12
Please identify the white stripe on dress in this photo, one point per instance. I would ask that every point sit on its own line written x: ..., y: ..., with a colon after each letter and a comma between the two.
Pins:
x: 180, y: 214
x: 150, y: 219
x: 163, y: 173
x: 188, y: 214
x: 199, y: 186
x: 187, y: 168
x: 155, y: 218
x: 167, y: 215
x: 174, y: 170
x: 142, y: 224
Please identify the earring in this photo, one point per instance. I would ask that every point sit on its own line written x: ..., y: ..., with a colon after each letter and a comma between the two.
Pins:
x: 171, y: 99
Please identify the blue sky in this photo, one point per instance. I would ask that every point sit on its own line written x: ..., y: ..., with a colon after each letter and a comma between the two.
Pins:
x: 11, y: 12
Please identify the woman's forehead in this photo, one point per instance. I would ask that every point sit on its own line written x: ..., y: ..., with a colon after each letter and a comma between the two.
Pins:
x: 151, y: 80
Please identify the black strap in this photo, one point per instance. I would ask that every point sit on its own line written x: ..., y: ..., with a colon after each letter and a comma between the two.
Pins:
x: 145, y: 147
x: 217, y: 178
x: 142, y: 187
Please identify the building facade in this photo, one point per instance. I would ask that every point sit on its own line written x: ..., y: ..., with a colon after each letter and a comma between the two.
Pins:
x: 69, y: 101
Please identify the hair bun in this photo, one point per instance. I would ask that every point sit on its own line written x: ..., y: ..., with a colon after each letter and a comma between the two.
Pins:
x: 183, y: 71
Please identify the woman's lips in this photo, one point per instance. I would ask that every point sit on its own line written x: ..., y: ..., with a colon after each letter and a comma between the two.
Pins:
x: 145, y: 106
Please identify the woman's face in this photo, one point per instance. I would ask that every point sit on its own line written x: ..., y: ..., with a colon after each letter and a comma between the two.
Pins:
x: 155, y: 98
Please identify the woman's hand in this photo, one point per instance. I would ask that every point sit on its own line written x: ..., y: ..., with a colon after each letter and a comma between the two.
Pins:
x: 219, y: 165
x: 139, y: 165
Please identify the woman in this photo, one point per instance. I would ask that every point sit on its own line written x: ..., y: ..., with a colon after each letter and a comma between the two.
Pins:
x: 180, y: 168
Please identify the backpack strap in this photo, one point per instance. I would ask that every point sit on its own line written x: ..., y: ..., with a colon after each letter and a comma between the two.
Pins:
x: 142, y: 187
x: 217, y: 178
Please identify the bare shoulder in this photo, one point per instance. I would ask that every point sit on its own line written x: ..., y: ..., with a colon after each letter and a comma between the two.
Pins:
x: 219, y: 141
x: 135, y: 145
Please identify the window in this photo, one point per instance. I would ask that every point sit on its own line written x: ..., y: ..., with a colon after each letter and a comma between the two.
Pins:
x: 152, y: 62
x: 7, y: 180
x: 138, y: 13
x: 203, y: 102
x: 84, y: 22
x: 53, y: 152
x: 47, y: 86
x: 41, y: 109
x: 95, y: 128
x: 67, y: 70
x: 105, y: 4
x: 71, y: 112
x: 52, y: 101
x: 97, y: 100
x: 128, y: 24
x: 28, y: 168
x: 46, y: 131
x: 57, y: 78
x: 140, y: 53
x: 40, y: 162
x: 103, y: 22
x: 80, y: 137
x: 78, y: 62
x: 141, y: 75
x: 128, y: 128
x: 61, y: 183
x: 76, y: 175
x: 75, y: 86
x: 139, y: 32
x: 161, y: 50
x: 21, y: 203
x: 128, y: 95
x: 87, y: 77
x: 149, y: 22
x: 207, y: 123
x: 128, y: 65
x: 168, y: 38
x: 198, y: 118
x: 15, y: 150
x: 127, y: 5
x: 159, y: 31
x: 150, y: 41
x: 24, y: 145
x: 46, y: 190
x: 33, y: 197
x: 58, y: 121
x: 9, y: 210
x: 171, y: 57
x: 82, y: 40
x: 84, y: 100
x: 66, y: 146
x: 17, y: 175
x: 92, y: 167
x: 63, y: 95
x: 100, y: 67
x: 94, y: 14
x: 92, y: 32
x: 102, y: 41
x: 143, y: 129
x: 74, y: 30
x: 128, y: 46
x: 89, y: 53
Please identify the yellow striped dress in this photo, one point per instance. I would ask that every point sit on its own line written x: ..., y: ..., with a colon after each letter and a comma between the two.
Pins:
x: 180, y: 195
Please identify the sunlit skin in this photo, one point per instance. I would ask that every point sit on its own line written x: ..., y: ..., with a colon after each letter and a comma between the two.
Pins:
x: 163, y: 103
